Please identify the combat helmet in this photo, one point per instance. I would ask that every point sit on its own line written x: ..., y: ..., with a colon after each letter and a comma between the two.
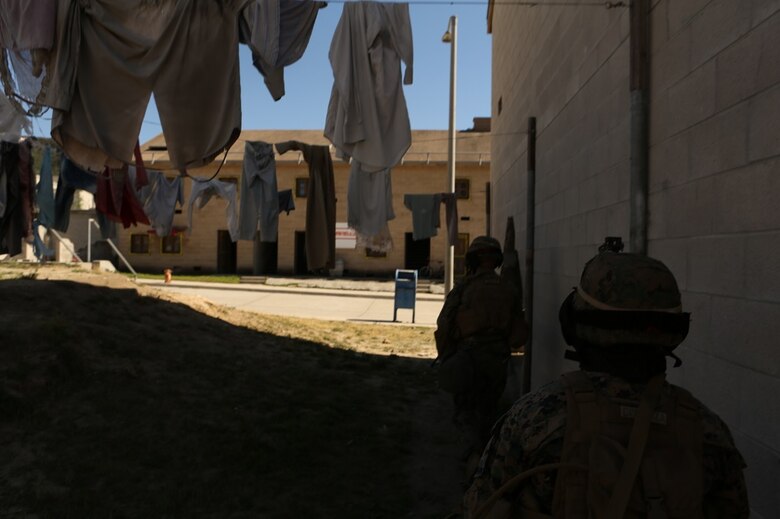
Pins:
x: 624, y: 300
x: 482, y: 245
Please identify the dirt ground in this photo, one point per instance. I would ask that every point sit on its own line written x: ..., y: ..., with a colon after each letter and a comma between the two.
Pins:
x: 122, y: 401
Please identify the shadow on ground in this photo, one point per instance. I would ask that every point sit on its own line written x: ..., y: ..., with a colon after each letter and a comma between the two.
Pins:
x: 118, y: 405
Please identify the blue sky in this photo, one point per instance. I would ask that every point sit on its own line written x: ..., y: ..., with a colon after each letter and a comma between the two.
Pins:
x: 308, y: 82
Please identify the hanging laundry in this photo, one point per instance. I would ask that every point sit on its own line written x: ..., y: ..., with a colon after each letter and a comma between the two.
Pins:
x: 451, y: 214
x: 379, y: 242
x: 40, y: 249
x: 112, y: 56
x: 3, y: 190
x: 286, y: 201
x: 277, y: 32
x: 26, y: 186
x: 367, y: 118
x: 320, y: 204
x: 45, y: 191
x: 425, y: 214
x: 141, y: 179
x: 370, y: 206
x: 202, y: 192
x: 72, y: 178
x: 116, y: 198
x: 13, y: 123
x: 27, y: 24
x: 259, y: 204
x: 159, y: 198
x: 26, y: 36
x: 11, y: 222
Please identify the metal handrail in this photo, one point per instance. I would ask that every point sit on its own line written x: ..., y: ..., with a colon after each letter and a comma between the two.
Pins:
x: 91, y: 222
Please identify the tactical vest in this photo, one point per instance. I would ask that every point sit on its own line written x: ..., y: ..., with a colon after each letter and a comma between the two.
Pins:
x: 487, y: 307
x: 643, y: 461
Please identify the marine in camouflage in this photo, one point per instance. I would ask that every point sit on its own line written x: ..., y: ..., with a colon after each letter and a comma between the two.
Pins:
x: 479, y: 325
x: 531, y: 434
x: 622, y: 320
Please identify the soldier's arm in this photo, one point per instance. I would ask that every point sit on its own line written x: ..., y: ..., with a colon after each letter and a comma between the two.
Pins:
x: 725, y: 489
x: 726, y: 496
x: 445, y: 323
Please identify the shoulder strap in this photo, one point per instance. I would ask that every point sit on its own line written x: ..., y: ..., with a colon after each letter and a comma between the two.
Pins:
x: 636, y: 446
x: 582, y: 395
x: 516, y: 481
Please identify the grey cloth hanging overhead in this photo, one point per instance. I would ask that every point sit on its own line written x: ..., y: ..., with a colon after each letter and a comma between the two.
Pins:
x: 259, y: 204
x: 112, y: 55
x: 27, y: 24
x: 367, y: 117
x: 159, y: 198
x: 201, y: 194
x: 278, y: 33
x: 370, y: 205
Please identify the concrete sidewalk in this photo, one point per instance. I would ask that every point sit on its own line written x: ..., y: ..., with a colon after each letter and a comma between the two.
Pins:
x: 354, y: 305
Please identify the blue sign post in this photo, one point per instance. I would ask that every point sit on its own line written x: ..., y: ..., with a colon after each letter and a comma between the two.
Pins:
x: 405, y: 291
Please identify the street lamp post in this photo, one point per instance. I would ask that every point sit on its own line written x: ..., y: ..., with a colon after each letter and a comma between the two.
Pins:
x: 451, y: 37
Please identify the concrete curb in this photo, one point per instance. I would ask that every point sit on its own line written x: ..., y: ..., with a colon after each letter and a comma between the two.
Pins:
x: 245, y: 287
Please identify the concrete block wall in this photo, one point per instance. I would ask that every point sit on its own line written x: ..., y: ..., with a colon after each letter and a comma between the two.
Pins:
x: 714, y: 181
x: 569, y: 69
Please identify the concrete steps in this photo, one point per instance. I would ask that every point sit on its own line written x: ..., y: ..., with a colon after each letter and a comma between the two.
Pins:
x: 257, y: 280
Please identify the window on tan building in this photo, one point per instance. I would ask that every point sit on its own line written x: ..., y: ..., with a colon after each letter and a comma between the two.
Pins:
x: 301, y: 187
x: 171, y: 244
x: 371, y: 253
x: 459, y: 258
x: 463, y: 188
x: 139, y: 243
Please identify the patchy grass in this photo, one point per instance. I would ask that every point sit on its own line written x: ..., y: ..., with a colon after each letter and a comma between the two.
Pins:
x: 120, y: 401
x: 205, y: 278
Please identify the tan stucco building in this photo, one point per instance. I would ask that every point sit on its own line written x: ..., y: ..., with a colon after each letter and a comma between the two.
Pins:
x: 206, y: 246
x: 712, y: 184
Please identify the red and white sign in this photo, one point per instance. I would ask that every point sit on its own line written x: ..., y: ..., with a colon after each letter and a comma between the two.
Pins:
x: 346, y: 238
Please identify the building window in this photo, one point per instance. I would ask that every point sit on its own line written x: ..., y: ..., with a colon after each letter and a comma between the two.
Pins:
x: 461, y: 246
x: 139, y: 243
x: 171, y: 244
x: 463, y: 188
x: 301, y: 187
x: 373, y: 253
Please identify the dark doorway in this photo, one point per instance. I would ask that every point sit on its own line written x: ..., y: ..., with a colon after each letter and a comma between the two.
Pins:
x: 264, y: 256
x: 417, y: 253
x: 226, y: 253
x: 301, y: 265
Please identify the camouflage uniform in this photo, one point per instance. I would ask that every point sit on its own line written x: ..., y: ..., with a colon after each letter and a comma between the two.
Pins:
x: 482, y: 321
x: 532, y: 434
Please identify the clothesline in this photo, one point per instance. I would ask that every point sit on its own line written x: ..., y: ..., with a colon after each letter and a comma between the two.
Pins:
x: 606, y: 5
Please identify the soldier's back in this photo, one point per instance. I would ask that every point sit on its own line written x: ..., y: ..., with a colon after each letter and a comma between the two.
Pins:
x: 532, y: 434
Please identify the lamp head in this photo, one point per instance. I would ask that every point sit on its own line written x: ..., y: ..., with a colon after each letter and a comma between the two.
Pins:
x: 447, y: 38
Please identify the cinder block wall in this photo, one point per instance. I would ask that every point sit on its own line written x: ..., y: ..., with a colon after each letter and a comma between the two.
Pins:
x: 569, y: 69
x: 714, y: 174
x: 714, y: 183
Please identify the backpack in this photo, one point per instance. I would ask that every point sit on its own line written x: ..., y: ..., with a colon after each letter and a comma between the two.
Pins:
x: 642, y: 461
